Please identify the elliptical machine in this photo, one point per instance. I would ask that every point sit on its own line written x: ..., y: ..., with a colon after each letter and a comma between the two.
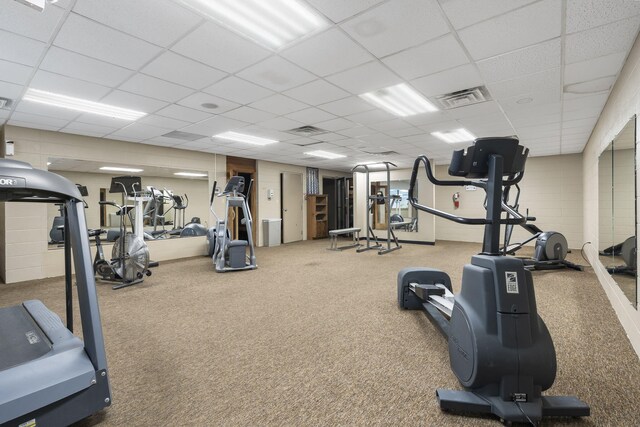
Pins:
x: 551, y: 247
x: 229, y: 254
x: 499, y: 348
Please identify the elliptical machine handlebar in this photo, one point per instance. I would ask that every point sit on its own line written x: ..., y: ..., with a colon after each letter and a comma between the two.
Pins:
x: 516, y: 218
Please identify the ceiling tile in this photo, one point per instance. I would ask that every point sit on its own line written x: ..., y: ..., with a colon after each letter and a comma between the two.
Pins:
x: 317, y: 92
x: 81, y: 35
x: 357, y: 131
x: 428, y: 58
x: 346, y: 106
x: 371, y: 116
x: 45, y: 110
x: 483, y: 108
x: 585, y: 14
x: 214, y: 125
x: 335, y: 125
x: 238, y: 90
x: 183, y: 113
x: 377, y: 76
x: 20, y: 49
x: 396, y: 25
x: 339, y: 10
x: 220, y: 48
x: 14, y: 73
x: 84, y: 68
x: 92, y: 119
x: 529, y: 60
x: 326, y: 53
x: 280, y: 123
x: 600, y: 41
x: 277, y: 74
x: 279, y: 105
x: 249, y: 115
x: 163, y: 122
x: 197, y: 99
x: 549, y: 80
x: 463, y: 13
x: 50, y: 82
x: 88, y: 129
x: 180, y: 70
x: 155, y: 88
x: 158, y: 22
x: 32, y: 118
x: 24, y: 21
x: 523, y: 27
x: 134, y: 102
x: 310, y: 115
x: 33, y: 125
x: 463, y: 77
x: 138, y: 131
x: 591, y: 69
x: 330, y: 136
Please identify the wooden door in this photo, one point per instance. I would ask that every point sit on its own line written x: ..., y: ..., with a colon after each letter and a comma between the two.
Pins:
x: 292, y: 202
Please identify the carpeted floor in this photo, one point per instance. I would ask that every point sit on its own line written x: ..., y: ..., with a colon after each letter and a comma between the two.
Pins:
x: 315, y: 337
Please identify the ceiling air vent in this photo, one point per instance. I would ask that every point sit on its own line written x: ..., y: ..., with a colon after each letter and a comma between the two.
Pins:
x: 5, y: 102
x: 307, y: 131
x: 186, y: 136
x: 311, y: 143
x: 463, y: 98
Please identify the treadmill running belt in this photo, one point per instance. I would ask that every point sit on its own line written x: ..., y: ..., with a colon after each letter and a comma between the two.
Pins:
x: 21, y: 340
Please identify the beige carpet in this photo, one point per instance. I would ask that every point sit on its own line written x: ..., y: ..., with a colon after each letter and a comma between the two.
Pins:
x: 314, y: 337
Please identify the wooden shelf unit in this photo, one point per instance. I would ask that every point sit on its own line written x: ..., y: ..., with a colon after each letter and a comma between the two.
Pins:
x: 317, y: 216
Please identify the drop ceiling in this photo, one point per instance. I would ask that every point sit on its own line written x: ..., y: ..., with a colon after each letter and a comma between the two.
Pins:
x: 548, y: 67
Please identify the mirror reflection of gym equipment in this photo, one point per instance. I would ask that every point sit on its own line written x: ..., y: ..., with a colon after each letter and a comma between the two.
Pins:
x: 616, y: 210
x: 379, y: 203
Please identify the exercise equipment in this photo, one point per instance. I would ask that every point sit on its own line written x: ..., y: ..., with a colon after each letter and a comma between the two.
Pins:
x: 551, y: 247
x: 626, y: 250
x: 48, y: 376
x: 499, y: 348
x: 378, y: 199
x: 229, y: 254
x: 193, y: 227
x: 130, y: 256
x: 56, y: 234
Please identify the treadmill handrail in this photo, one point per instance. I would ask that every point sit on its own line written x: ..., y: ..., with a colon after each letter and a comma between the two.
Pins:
x: 516, y: 218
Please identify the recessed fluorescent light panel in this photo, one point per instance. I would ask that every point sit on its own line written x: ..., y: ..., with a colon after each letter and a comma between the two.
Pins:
x: 324, y: 154
x: 241, y: 137
x: 400, y: 100
x: 274, y: 23
x: 191, y: 174
x: 453, y: 136
x: 119, y: 169
x: 77, y: 104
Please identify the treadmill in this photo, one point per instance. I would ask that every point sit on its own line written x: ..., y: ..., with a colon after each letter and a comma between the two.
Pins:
x: 48, y: 376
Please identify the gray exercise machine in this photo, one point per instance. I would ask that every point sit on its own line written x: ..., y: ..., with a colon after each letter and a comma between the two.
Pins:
x: 626, y: 250
x: 372, y: 201
x: 48, y: 376
x: 499, y: 348
x: 229, y: 254
x: 551, y: 247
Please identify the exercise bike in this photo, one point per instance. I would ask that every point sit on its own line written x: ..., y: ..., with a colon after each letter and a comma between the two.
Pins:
x: 130, y: 256
x: 626, y: 250
x: 499, y: 348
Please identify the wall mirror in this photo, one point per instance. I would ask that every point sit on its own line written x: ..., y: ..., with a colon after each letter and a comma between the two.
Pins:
x: 617, y: 210
x: 403, y: 216
x: 171, y: 200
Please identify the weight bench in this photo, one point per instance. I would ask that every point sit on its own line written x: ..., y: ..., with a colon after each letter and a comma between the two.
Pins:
x: 333, y: 234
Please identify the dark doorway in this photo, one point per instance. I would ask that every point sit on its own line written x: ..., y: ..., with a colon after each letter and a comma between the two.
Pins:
x: 330, y: 189
x: 242, y: 226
